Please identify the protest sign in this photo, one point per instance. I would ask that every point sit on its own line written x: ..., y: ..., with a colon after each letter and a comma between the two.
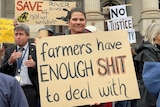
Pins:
x: 120, y: 24
x: 132, y: 35
x: 6, y: 31
x: 85, y: 68
x: 118, y: 12
x: 43, y: 12
x: 120, y: 21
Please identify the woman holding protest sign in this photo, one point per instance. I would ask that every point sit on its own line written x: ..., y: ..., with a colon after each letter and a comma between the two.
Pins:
x: 77, y: 24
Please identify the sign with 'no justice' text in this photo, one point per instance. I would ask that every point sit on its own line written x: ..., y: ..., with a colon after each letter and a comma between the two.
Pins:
x: 86, y: 68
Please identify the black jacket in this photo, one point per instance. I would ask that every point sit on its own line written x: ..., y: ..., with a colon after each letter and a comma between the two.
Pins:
x: 146, y: 52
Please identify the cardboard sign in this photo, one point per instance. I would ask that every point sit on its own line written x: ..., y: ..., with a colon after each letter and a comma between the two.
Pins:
x: 6, y: 31
x: 43, y: 12
x: 85, y: 68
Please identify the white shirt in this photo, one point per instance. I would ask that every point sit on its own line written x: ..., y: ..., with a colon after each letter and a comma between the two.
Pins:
x: 24, y: 69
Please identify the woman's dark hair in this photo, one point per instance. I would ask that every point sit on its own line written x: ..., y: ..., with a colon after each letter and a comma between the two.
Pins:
x: 76, y: 9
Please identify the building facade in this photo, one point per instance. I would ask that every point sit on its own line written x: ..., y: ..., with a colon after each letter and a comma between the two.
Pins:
x: 143, y: 12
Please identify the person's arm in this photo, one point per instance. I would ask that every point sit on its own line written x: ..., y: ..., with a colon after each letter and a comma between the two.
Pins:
x: 149, y: 56
x: 6, y: 67
x: 18, y: 98
x: 8, y: 62
x: 15, y: 22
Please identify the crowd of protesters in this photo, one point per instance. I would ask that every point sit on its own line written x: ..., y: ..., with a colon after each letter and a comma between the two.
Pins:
x: 19, y: 75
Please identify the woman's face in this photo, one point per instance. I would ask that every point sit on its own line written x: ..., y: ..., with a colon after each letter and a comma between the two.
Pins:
x: 157, y: 39
x: 77, y: 23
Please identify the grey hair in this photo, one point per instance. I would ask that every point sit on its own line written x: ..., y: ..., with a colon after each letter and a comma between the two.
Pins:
x: 152, y: 32
x: 23, y: 27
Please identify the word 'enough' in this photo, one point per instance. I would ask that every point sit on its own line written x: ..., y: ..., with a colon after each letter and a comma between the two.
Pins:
x: 64, y: 71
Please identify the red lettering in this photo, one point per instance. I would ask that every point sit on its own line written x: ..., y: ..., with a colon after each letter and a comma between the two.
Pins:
x: 19, y: 6
x: 114, y: 65
x: 29, y: 6
x: 39, y: 6
x: 26, y: 6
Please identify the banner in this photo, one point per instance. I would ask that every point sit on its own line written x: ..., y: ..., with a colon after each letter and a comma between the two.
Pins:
x: 43, y: 12
x: 6, y: 31
x: 85, y: 68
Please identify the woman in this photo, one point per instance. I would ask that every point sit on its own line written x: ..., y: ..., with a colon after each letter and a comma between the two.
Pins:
x: 147, y: 51
x: 77, y: 24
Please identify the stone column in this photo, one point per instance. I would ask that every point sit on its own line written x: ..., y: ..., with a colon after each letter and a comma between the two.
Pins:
x: 135, y: 12
x: 150, y: 5
x: 93, y: 13
x: 92, y: 6
x: 150, y: 13
x: 0, y: 8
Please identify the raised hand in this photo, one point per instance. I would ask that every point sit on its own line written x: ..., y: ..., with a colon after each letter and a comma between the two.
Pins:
x: 30, y: 62
x: 15, y: 55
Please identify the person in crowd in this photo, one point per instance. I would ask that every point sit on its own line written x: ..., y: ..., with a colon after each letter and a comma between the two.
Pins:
x: 11, y: 92
x: 15, y: 22
x: 77, y: 24
x: 151, y: 79
x: 2, y: 52
x: 151, y: 72
x: 92, y: 28
x: 20, y: 61
x: 50, y: 31
x: 147, y: 51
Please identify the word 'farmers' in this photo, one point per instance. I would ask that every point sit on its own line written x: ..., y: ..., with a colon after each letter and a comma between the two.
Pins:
x: 77, y: 49
x: 61, y: 51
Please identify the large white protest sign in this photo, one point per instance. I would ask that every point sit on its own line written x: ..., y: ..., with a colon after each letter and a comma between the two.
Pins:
x: 85, y: 68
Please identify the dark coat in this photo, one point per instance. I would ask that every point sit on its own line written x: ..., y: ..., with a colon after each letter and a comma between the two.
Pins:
x: 146, y: 52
